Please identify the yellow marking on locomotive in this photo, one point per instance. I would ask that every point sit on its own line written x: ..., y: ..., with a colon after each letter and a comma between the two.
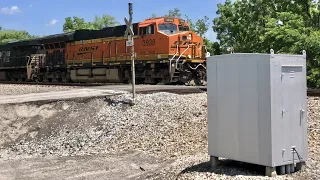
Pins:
x: 148, y: 58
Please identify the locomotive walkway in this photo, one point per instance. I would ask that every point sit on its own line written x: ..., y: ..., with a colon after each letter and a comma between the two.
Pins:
x: 96, y: 91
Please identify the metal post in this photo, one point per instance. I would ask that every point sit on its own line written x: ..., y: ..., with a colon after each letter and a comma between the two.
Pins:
x: 130, y: 42
x: 132, y: 58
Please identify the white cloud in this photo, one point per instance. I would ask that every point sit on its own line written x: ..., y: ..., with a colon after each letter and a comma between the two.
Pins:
x: 10, y: 10
x: 53, y: 22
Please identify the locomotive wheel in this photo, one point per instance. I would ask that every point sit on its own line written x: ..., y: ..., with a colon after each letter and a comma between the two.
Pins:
x: 185, y: 77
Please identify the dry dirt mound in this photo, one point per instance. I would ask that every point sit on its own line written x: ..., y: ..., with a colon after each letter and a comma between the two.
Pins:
x: 158, y: 124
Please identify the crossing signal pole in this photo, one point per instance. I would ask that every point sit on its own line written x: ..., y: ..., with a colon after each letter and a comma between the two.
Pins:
x: 130, y: 43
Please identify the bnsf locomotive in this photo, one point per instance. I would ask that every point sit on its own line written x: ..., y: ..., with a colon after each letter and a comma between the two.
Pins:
x: 166, y: 51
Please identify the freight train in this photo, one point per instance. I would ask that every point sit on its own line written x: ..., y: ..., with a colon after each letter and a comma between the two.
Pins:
x: 166, y: 51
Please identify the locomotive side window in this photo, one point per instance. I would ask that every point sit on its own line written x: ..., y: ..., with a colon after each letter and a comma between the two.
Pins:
x: 183, y: 28
x: 147, y: 30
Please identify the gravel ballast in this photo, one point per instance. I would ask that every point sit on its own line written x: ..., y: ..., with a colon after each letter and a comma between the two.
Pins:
x: 164, y: 125
x: 16, y: 89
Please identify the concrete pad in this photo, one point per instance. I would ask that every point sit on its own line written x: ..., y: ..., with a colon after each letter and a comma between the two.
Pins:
x: 58, y: 95
x: 150, y: 88
x: 131, y: 165
x: 96, y: 91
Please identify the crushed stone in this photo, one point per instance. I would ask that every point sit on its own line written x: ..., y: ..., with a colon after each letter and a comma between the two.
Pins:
x: 164, y: 125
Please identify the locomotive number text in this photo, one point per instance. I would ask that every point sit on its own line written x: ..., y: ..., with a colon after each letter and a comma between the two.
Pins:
x: 149, y: 42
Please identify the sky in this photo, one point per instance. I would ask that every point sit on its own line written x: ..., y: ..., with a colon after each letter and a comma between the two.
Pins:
x: 43, y: 17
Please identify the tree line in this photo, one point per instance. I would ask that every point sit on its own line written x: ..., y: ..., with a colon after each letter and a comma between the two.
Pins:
x: 201, y: 26
x: 256, y: 26
x: 243, y: 26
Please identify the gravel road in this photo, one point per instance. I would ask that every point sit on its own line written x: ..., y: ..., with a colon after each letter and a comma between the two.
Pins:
x: 169, y: 127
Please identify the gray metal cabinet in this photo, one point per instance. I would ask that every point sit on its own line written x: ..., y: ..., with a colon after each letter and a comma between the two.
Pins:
x: 257, y: 109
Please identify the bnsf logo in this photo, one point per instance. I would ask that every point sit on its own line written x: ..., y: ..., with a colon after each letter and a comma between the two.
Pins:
x: 92, y: 48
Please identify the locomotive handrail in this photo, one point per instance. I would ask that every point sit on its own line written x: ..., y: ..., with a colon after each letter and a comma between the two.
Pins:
x: 197, y: 66
x: 175, y: 53
x: 183, y: 52
x: 28, y: 59
x: 177, y: 60
x: 170, y: 60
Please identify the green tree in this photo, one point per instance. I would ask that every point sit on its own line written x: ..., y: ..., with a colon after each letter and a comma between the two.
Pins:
x: 212, y: 47
x: 215, y: 47
x: 201, y: 26
x: 8, y: 35
x: 175, y: 13
x: 104, y: 21
x: 259, y: 25
x: 238, y: 25
x: 76, y: 23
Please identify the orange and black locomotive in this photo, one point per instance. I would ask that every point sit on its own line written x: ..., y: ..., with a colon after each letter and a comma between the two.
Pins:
x: 165, y: 51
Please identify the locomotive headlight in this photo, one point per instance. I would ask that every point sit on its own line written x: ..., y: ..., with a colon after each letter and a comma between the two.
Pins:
x: 190, y: 37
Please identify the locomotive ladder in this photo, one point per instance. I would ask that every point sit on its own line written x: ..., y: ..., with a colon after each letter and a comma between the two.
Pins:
x: 32, y: 67
x: 175, y: 65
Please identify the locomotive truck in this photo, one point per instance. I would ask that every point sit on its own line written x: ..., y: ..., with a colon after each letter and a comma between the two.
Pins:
x: 166, y: 51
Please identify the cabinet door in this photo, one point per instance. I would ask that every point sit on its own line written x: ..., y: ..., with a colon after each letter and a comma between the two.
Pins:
x: 293, y: 112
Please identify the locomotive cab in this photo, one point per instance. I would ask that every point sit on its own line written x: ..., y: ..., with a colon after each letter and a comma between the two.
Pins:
x: 170, y: 40
x: 170, y: 37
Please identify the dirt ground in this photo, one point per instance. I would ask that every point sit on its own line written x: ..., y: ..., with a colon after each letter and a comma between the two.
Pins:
x: 129, y: 165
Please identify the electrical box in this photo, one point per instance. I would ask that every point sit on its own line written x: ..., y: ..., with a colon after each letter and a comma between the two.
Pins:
x: 257, y: 108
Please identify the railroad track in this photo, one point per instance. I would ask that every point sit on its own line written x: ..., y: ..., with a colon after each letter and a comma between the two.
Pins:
x: 73, y: 84
x: 59, y: 83
x: 310, y: 92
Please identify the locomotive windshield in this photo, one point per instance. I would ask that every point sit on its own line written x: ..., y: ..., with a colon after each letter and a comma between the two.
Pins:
x: 167, y: 28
